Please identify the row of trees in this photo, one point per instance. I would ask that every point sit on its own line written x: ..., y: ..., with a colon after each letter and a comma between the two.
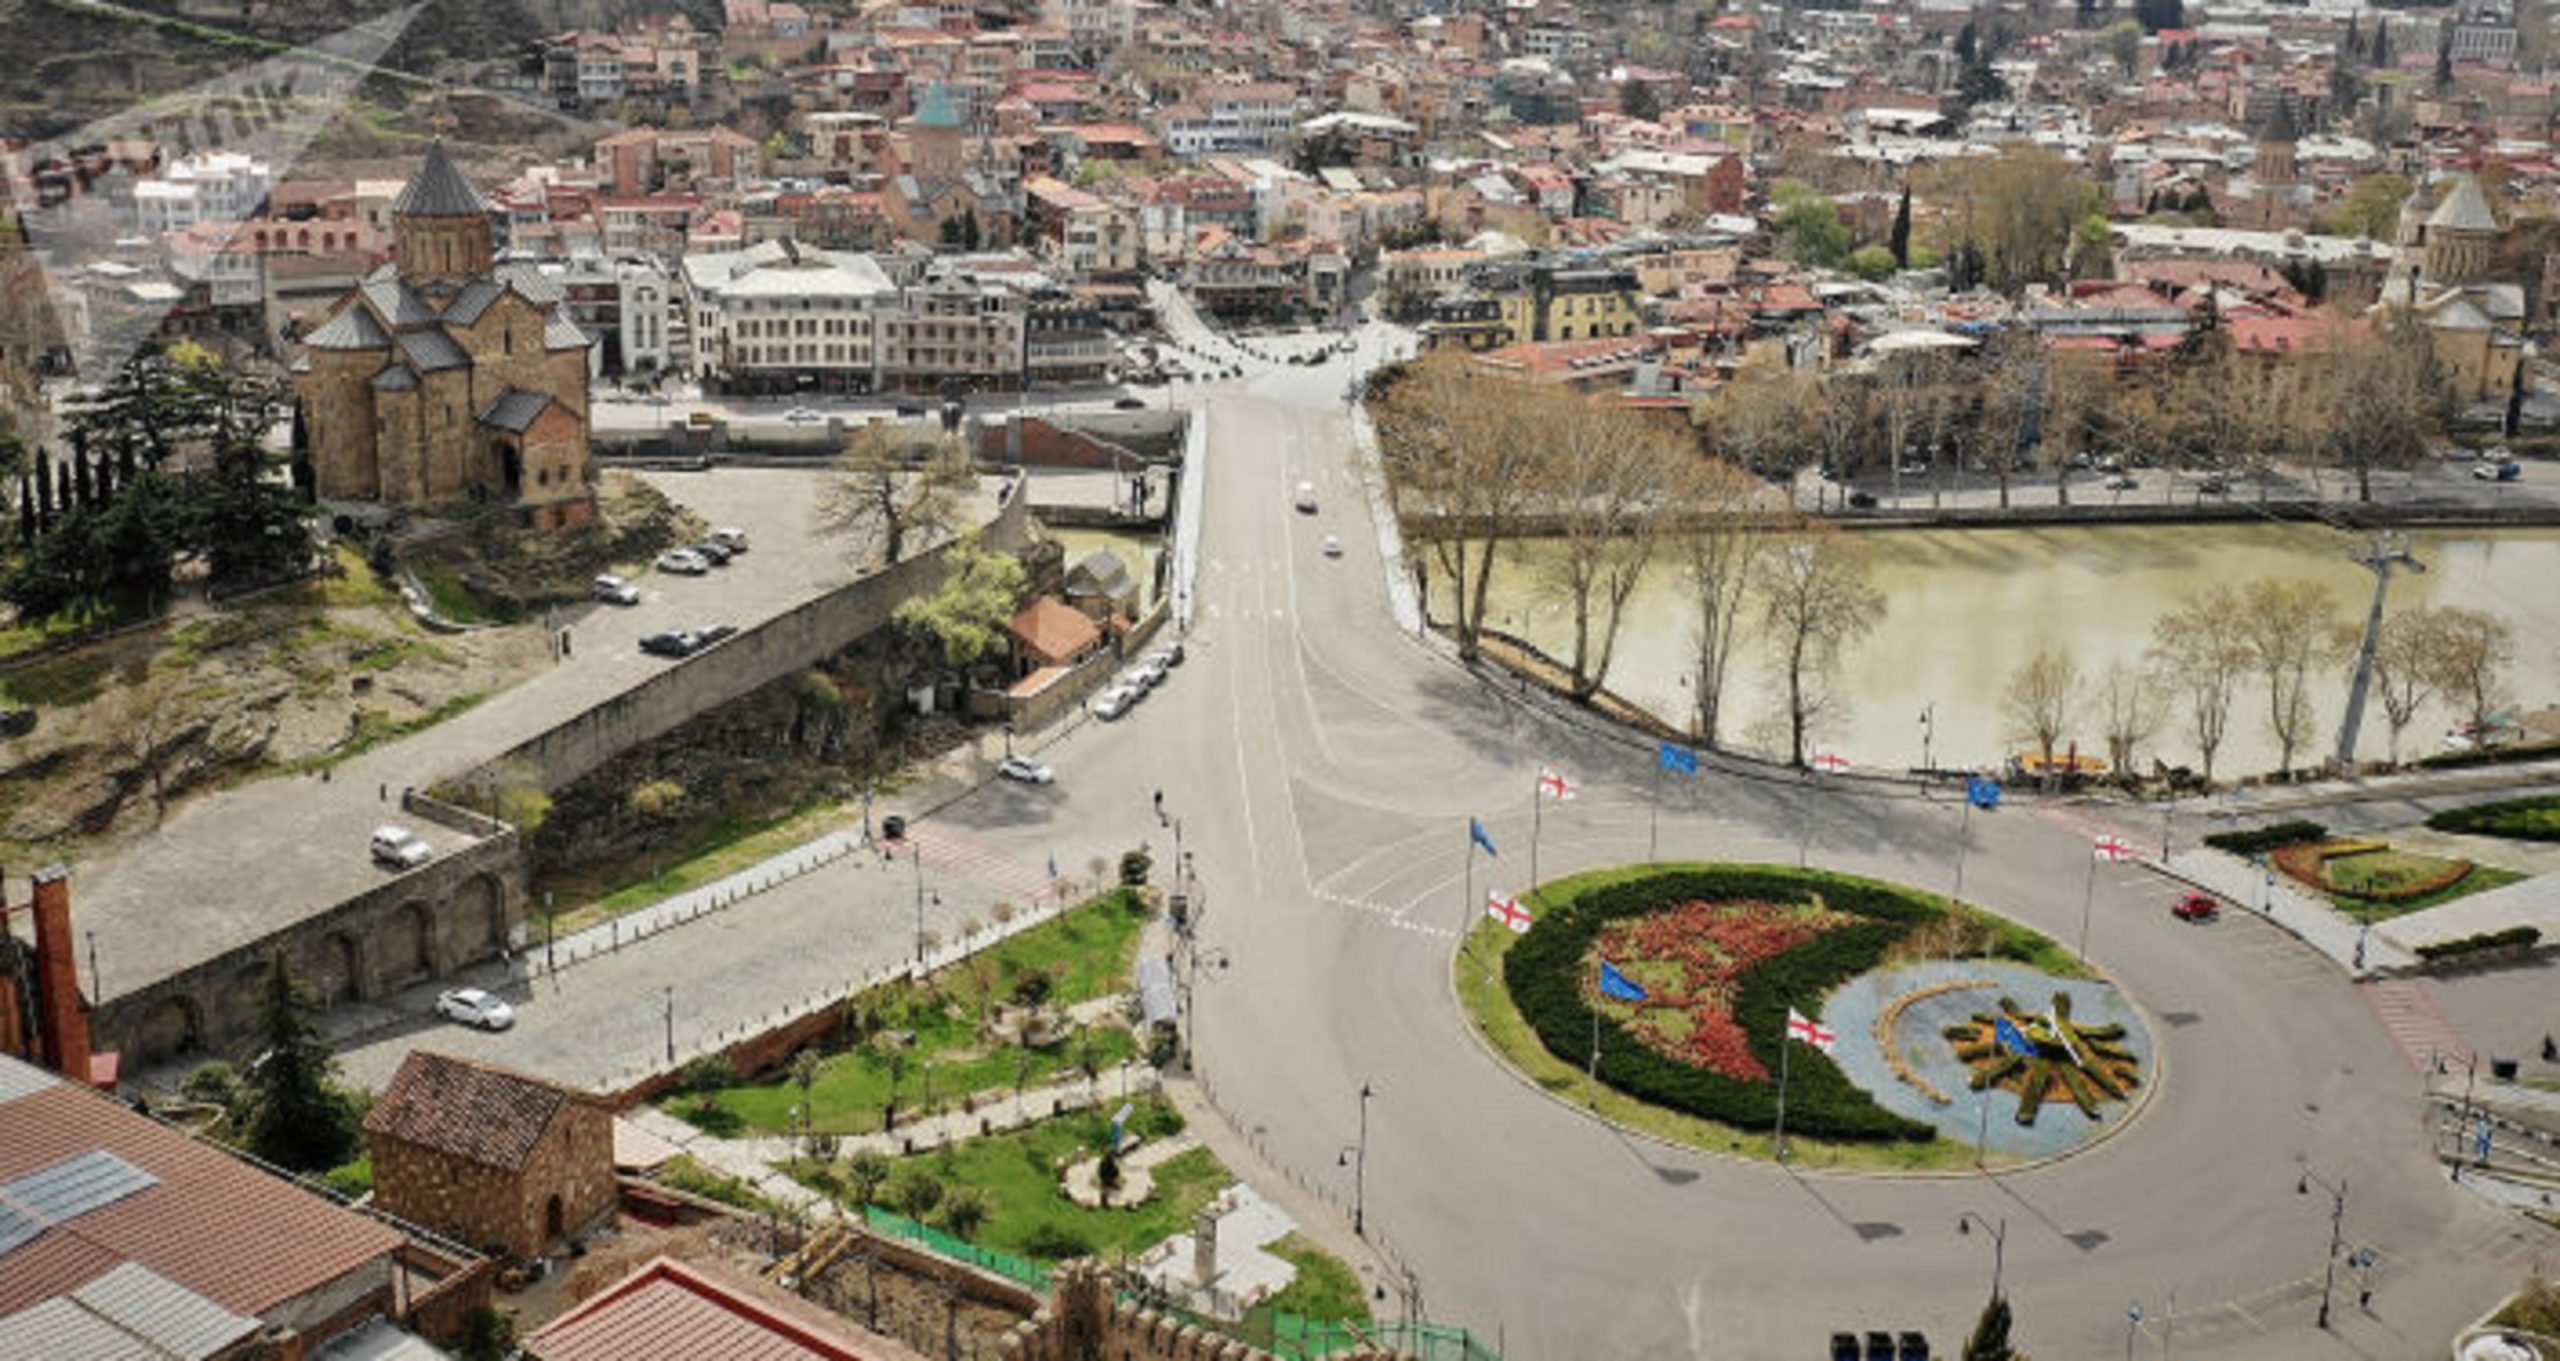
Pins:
x: 2274, y: 637
x: 165, y: 465
x: 2364, y: 399
x: 1474, y: 463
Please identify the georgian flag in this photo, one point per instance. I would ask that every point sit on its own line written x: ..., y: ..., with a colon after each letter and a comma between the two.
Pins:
x: 1798, y: 1028
x: 1507, y: 911
x: 1554, y: 786
x: 2111, y: 848
x: 1829, y: 763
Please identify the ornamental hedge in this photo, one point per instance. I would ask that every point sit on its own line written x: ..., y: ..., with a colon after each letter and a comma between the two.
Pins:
x: 1544, y: 969
x: 2260, y: 840
x: 2513, y: 938
x: 2534, y: 819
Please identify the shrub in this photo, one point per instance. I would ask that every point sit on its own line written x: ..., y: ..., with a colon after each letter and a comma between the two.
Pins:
x: 1160, y: 1121
x: 709, y: 1073
x: 2535, y: 819
x: 917, y: 1193
x: 1055, y: 1243
x: 2259, y: 840
x: 1133, y: 869
x: 2514, y: 937
x: 1543, y: 973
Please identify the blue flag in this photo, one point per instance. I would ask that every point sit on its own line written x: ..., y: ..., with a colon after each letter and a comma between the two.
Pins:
x: 1477, y: 834
x: 2011, y: 1038
x: 1618, y: 985
x: 1677, y: 759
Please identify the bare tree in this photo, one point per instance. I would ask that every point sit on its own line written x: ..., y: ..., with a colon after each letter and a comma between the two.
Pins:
x: 1459, y: 477
x: 2404, y: 676
x: 148, y: 717
x: 2131, y: 704
x: 1765, y: 419
x: 2040, y: 700
x: 1721, y: 552
x: 2291, y: 627
x: 2012, y: 406
x: 894, y: 485
x: 1611, y: 469
x: 2383, y: 396
x: 1815, y: 601
x: 2203, y: 651
x: 2469, y: 652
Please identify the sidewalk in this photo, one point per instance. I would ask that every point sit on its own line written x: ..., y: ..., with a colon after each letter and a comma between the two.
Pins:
x: 2312, y: 921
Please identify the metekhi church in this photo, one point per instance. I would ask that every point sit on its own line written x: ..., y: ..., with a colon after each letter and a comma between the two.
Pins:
x: 445, y: 380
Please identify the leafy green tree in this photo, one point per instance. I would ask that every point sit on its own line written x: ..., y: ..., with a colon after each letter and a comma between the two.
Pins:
x: 1808, y: 223
x: 964, y: 1210
x: 1638, y: 99
x: 967, y: 612
x: 917, y: 1193
x: 299, y: 1119
x: 2371, y: 207
x: 868, y: 1170
x: 488, y: 1334
x: 1871, y: 263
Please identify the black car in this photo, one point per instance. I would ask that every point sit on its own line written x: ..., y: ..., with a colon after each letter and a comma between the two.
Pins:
x: 1862, y: 500
x: 676, y: 644
x: 1130, y: 403
x: 714, y: 552
x: 909, y: 409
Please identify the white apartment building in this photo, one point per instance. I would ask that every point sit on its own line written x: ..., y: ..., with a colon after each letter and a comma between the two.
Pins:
x: 779, y: 316
x: 1094, y: 28
x: 625, y: 302
x: 1231, y: 117
x: 213, y: 186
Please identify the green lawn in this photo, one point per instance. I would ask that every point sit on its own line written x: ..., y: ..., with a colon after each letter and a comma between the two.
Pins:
x: 1326, y: 1287
x: 59, y: 682
x: 1030, y: 1217
x: 2533, y: 819
x: 1089, y: 952
x: 852, y: 1090
x: 2348, y: 873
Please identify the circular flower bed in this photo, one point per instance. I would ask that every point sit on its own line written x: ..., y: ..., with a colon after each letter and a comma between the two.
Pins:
x: 2087, y: 1065
x: 1721, y: 952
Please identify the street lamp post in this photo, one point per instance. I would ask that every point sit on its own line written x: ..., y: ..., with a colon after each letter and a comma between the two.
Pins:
x: 1928, y: 745
x: 2337, y: 1220
x: 1999, y: 1243
x: 670, y: 1001
x: 917, y: 852
x: 1358, y: 1156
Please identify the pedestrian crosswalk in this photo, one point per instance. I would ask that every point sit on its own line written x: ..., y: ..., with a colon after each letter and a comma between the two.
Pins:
x: 950, y: 853
x: 1385, y: 916
x: 2408, y: 1012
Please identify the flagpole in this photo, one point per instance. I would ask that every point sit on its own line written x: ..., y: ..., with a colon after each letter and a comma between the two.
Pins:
x: 1780, y: 1139
x: 2086, y: 896
x: 1653, y: 829
x: 1467, y: 917
x: 1537, y: 816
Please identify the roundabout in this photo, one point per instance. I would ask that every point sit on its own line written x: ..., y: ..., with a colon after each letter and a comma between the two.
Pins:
x: 1671, y: 987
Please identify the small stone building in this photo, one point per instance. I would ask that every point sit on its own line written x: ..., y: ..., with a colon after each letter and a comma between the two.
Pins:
x: 496, y: 1159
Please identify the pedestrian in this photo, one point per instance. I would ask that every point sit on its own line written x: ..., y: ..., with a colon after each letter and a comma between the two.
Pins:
x: 565, y: 649
x: 1159, y: 803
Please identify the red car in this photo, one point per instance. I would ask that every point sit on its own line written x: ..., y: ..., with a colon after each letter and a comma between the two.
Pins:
x: 2196, y: 907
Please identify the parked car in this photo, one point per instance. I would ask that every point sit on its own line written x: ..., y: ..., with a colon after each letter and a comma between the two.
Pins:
x: 801, y: 415
x: 1026, y: 770
x: 1332, y: 546
x: 1170, y: 652
x: 2214, y: 486
x: 1306, y: 499
x: 711, y: 552
x: 1912, y: 467
x: 2122, y: 482
x: 2194, y: 906
x: 473, y: 1007
x: 684, y: 562
x: 2498, y: 472
x: 730, y: 537
x: 1862, y: 500
x: 672, y: 643
x: 909, y: 409
x: 613, y: 590
x: 400, y: 848
x: 1129, y: 403
x: 1115, y: 701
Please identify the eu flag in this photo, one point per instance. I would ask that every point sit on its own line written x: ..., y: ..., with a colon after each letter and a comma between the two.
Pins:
x: 1677, y: 759
x: 1618, y: 985
x: 1477, y: 834
x: 2011, y: 1038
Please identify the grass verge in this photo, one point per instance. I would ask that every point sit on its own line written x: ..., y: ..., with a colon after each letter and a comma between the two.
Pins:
x: 2481, y: 879
x: 1326, y: 1288
x: 853, y: 1088
x: 1029, y: 1216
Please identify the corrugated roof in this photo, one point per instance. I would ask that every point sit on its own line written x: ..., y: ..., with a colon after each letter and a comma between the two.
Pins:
x: 667, y: 1311
x: 430, y: 351
x: 352, y: 329
x: 439, y: 190
x: 149, y: 1305
x: 515, y: 410
x: 469, y: 1110
x: 58, y: 1327
x: 191, y: 1228
x: 64, y: 1191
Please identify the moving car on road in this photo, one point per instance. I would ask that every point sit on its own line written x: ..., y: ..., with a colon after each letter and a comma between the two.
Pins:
x: 2122, y: 482
x: 684, y: 642
x: 2194, y: 906
x: 1026, y: 770
x: 1307, y: 497
x: 1332, y: 546
x: 2498, y: 472
x: 473, y: 1007
x: 400, y: 848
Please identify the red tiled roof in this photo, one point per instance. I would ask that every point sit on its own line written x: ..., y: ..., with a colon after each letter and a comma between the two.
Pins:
x: 667, y: 1311
x: 1051, y: 631
x: 469, y: 1110
x: 237, y: 1236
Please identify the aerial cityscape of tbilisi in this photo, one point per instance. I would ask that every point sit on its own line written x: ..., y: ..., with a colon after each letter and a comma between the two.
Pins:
x: 1136, y: 680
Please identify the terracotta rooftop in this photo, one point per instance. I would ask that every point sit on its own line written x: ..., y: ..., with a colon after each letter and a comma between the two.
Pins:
x: 668, y: 1311
x: 244, y: 1239
x: 1053, y: 632
x: 470, y: 1110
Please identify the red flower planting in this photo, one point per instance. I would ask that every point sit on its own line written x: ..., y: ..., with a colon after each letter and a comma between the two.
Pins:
x: 1690, y: 958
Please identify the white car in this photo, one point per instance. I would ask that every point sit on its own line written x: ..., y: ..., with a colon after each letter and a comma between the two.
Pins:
x: 1025, y: 769
x: 684, y: 562
x: 473, y: 1007
x: 613, y: 590
x: 400, y: 848
x: 730, y: 537
x: 1332, y: 546
x: 801, y: 415
x: 1152, y: 670
x: 1115, y: 701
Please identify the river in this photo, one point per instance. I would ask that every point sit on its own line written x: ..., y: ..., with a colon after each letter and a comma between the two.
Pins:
x: 1965, y: 607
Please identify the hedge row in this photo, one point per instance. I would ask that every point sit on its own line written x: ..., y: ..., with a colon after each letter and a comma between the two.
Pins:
x: 2524, y: 936
x: 2534, y: 819
x: 2488, y: 756
x: 1543, y: 972
x: 2260, y: 840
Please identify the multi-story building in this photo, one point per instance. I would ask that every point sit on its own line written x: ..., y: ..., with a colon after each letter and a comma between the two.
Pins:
x: 215, y: 186
x: 1539, y: 300
x: 623, y: 302
x: 1065, y: 341
x: 1232, y: 117
x: 953, y: 330
x: 780, y: 316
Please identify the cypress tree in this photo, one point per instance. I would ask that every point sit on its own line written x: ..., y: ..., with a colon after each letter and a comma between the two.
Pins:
x: 1900, y: 242
x: 26, y: 512
x: 44, y: 488
x: 81, y: 487
x: 2382, y: 43
x: 300, y: 1121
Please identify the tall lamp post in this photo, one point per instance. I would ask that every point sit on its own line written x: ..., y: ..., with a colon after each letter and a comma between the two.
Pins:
x: 671, y: 1021
x: 1928, y: 745
x: 2337, y: 1220
x: 1999, y: 1243
x: 917, y: 852
x: 1358, y: 1157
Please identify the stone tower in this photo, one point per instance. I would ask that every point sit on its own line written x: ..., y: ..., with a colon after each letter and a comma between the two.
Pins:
x: 936, y: 135
x: 2277, y: 135
x: 440, y: 226
x: 2459, y: 236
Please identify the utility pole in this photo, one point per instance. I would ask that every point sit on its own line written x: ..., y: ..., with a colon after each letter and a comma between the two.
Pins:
x: 2389, y: 550
x: 1999, y: 1243
x: 1358, y: 1156
x: 670, y: 992
x: 917, y: 852
x: 2337, y: 1217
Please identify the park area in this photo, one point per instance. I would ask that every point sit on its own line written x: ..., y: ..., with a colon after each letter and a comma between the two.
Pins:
x: 2367, y: 878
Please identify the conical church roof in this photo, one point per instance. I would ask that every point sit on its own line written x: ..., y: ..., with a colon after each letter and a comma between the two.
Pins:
x: 2464, y: 210
x: 439, y: 190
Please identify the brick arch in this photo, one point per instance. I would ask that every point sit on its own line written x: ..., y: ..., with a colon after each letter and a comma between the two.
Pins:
x: 334, y: 971
x: 403, y: 946
x: 172, y: 1027
x: 238, y: 1005
x: 475, y: 919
